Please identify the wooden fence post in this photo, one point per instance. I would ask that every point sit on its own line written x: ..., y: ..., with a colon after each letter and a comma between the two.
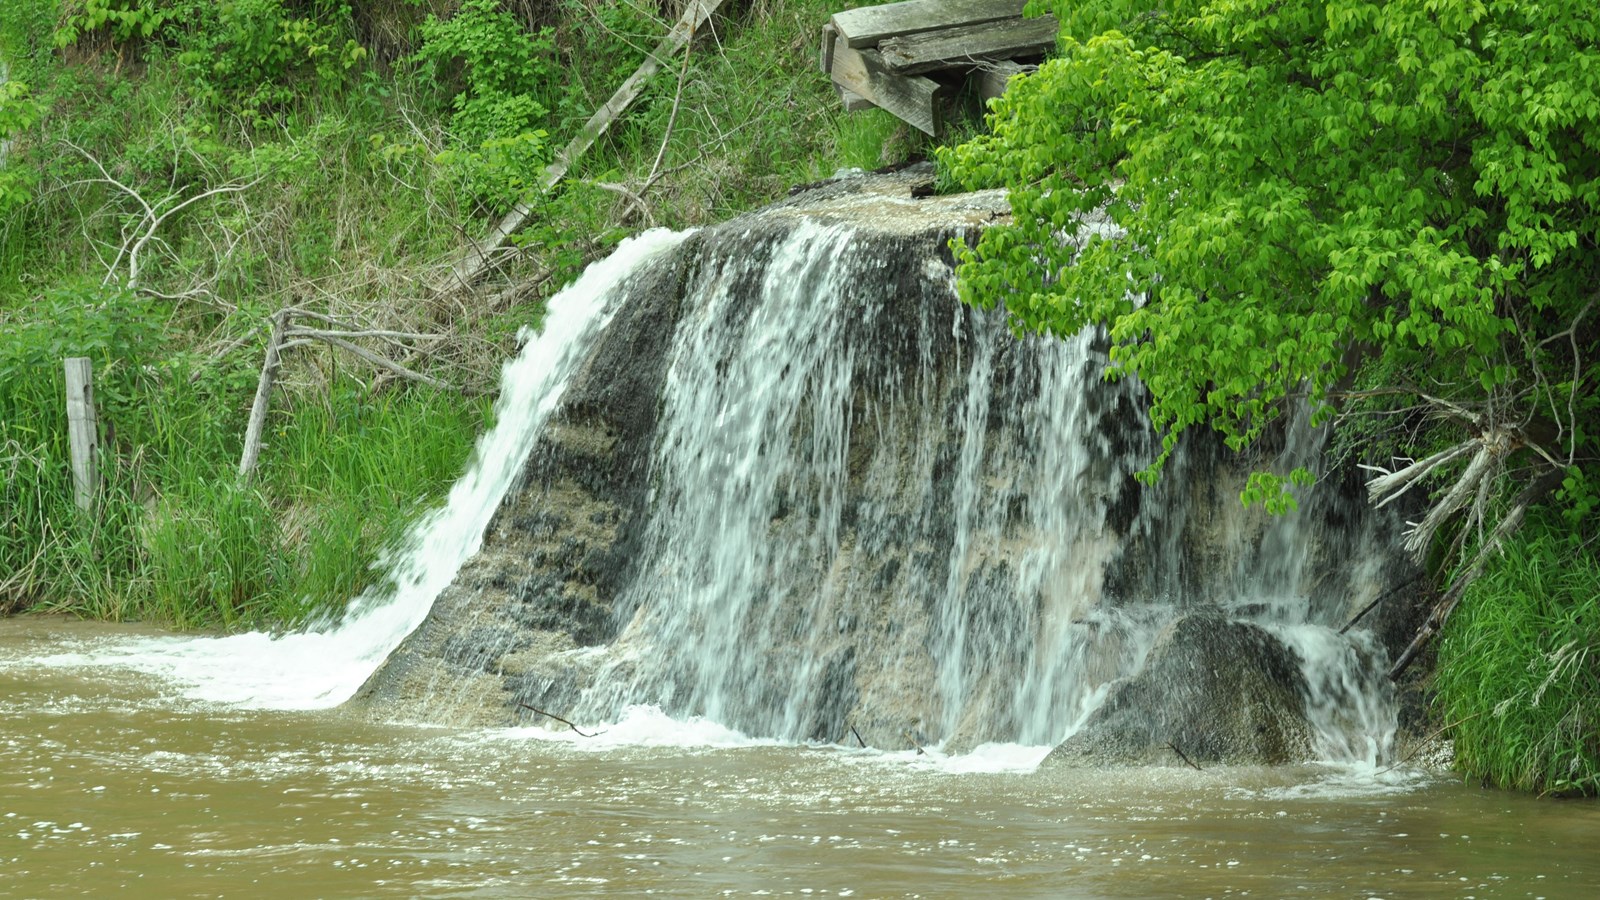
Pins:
x: 82, y: 430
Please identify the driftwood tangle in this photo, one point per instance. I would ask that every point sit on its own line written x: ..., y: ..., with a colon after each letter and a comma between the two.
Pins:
x: 906, y: 57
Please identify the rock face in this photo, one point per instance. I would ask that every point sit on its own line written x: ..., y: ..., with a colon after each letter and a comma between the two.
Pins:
x: 798, y: 488
x: 564, y: 547
x: 1221, y: 691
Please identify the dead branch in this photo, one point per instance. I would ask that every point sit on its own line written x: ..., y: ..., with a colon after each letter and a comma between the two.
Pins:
x: 153, y: 215
x: 383, y: 363
x: 575, y: 728
x: 1181, y: 755
x: 858, y: 737
x: 263, y: 400
x: 633, y: 199
x: 1485, y: 463
x: 1509, y: 524
x: 1390, y: 485
x: 298, y: 331
x: 484, y: 254
x: 672, y: 118
x: 286, y: 336
x: 1377, y: 600
x: 1427, y: 739
x: 913, y: 740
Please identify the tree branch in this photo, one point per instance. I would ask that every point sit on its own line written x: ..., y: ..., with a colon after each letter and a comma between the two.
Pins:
x: 1508, y: 526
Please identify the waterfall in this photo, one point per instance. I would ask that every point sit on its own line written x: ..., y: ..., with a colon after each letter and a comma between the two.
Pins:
x: 776, y: 476
x: 864, y: 509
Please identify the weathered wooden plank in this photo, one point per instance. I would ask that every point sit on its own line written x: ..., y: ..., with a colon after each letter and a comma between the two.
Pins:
x: 830, y: 34
x: 485, y: 253
x: 866, y: 26
x: 953, y: 47
x: 82, y: 431
x: 853, y: 102
x: 994, y: 77
x: 911, y: 98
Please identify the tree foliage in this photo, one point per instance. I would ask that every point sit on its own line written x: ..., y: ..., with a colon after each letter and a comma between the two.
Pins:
x: 1383, y: 206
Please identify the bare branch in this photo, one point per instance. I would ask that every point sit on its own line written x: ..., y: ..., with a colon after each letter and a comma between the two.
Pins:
x: 383, y: 363
x: 1447, y: 604
x: 150, y: 231
x: 1394, y: 484
x: 630, y: 196
x: 298, y: 331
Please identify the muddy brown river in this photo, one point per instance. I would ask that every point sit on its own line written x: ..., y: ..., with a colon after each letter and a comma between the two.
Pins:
x: 111, y: 783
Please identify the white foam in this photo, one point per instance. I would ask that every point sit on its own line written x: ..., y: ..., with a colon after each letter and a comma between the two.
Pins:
x: 639, y: 726
x: 986, y: 759
x: 1351, y: 780
x: 325, y: 666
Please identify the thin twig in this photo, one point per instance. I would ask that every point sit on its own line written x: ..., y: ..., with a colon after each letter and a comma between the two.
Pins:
x: 381, y: 362
x: 575, y: 728
x: 1379, y: 599
x: 1423, y: 744
x: 672, y: 118
x: 1181, y: 755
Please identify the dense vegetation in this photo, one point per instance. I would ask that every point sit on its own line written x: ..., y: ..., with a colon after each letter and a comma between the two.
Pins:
x: 1387, y: 210
x: 180, y: 170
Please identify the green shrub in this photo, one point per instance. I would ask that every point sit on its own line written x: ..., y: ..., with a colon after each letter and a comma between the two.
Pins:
x: 1519, y: 668
x: 250, y: 57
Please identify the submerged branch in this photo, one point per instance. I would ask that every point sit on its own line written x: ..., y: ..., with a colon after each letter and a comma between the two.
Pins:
x: 1183, y: 756
x: 575, y: 728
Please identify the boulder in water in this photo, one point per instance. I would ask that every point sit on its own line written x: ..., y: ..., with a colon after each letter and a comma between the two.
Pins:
x: 1223, y: 691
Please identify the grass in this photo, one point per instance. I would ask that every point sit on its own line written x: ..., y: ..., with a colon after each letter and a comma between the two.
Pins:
x: 1519, y: 669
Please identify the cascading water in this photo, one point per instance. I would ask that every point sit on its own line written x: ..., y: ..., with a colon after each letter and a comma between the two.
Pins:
x: 325, y: 665
x: 865, y: 510
x: 759, y: 541
x: 774, y: 475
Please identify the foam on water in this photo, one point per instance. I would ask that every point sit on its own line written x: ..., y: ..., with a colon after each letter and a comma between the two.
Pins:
x: 639, y: 726
x: 324, y: 666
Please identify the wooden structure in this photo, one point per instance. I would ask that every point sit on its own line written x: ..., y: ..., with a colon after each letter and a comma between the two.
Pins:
x: 907, y: 57
x: 83, y: 431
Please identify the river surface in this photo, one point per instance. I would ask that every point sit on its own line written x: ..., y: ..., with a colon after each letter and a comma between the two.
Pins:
x: 112, y: 782
x: 109, y: 782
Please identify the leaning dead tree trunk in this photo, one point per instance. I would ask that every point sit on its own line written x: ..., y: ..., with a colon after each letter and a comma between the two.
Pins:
x: 1467, y: 498
x: 1452, y: 597
x: 286, y: 335
x: 258, y: 409
x: 487, y: 253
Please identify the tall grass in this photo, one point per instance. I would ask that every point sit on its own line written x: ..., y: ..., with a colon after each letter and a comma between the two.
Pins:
x: 178, y: 539
x: 1519, y: 668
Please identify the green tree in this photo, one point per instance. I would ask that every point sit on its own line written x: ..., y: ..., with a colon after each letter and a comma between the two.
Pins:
x: 1382, y: 207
